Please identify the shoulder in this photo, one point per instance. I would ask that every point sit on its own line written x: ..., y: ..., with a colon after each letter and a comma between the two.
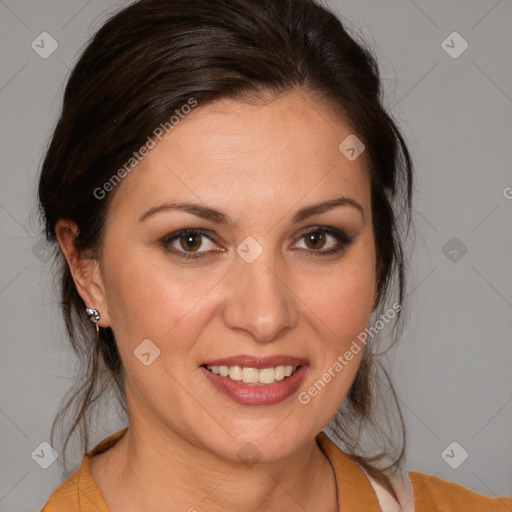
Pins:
x: 66, y: 496
x: 432, y: 493
x: 79, y: 492
x: 394, y: 493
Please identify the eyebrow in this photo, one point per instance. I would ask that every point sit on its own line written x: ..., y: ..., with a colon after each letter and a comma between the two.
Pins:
x: 221, y: 218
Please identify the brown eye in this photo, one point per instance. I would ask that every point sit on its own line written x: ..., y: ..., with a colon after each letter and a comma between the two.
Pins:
x: 315, y: 239
x: 187, y: 242
x: 190, y: 241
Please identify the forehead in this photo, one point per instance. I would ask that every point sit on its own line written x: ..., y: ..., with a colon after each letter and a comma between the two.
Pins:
x: 252, y: 155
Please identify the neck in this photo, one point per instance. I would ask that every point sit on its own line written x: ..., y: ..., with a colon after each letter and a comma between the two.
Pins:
x: 167, y: 472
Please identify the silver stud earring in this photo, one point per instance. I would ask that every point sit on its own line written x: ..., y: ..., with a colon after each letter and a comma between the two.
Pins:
x: 94, y: 317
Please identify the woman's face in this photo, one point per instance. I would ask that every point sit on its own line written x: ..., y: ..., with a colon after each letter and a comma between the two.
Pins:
x: 258, y: 291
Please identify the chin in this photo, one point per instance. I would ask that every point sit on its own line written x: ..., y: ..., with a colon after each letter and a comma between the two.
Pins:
x: 254, y: 441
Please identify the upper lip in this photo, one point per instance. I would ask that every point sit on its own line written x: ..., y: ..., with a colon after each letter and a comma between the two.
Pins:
x: 257, y: 362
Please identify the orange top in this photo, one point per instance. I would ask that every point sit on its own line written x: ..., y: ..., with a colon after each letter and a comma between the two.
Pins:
x: 357, y: 492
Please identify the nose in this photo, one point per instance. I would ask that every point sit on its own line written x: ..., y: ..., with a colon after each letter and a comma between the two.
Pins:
x: 260, y: 299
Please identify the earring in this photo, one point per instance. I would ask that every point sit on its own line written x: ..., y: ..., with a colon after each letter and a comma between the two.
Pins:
x: 94, y: 317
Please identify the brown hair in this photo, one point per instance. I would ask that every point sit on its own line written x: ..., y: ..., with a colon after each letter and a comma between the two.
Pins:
x: 146, y: 62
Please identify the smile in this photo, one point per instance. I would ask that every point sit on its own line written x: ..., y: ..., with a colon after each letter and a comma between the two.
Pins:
x: 249, y: 380
x: 254, y: 376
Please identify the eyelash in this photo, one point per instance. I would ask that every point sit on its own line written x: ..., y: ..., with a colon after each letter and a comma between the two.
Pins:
x: 343, y: 241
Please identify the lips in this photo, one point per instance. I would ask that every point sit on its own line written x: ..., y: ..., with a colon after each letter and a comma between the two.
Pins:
x: 254, y: 381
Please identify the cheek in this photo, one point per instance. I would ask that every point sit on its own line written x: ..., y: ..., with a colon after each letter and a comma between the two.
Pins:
x: 150, y: 298
x: 342, y: 297
x: 339, y: 310
x: 147, y: 302
x: 136, y: 295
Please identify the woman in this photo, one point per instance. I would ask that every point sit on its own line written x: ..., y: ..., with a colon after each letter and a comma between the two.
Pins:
x: 228, y: 196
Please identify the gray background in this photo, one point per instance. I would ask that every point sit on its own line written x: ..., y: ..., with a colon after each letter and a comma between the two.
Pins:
x: 452, y: 366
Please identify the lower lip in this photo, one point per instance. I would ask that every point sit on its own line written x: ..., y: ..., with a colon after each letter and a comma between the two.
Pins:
x: 246, y: 394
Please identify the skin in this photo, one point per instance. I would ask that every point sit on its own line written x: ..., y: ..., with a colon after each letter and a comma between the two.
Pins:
x: 257, y: 164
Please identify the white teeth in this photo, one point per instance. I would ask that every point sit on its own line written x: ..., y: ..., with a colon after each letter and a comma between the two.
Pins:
x: 250, y: 375
x: 267, y: 376
x: 235, y: 372
x: 280, y: 372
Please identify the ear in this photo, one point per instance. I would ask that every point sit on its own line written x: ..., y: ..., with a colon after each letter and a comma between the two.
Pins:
x: 85, y: 270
